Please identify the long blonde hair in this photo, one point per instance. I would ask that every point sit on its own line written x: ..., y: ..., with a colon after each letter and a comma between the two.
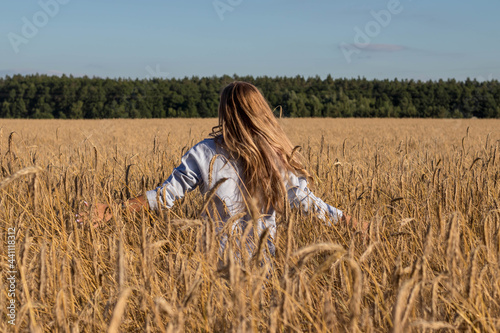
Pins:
x: 249, y: 130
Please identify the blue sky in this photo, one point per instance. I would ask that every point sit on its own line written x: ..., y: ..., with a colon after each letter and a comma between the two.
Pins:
x: 415, y: 39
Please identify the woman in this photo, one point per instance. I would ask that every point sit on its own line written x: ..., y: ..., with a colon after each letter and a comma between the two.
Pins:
x: 250, y: 166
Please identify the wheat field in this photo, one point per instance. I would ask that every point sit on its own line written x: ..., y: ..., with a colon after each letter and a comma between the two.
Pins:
x: 429, y: 261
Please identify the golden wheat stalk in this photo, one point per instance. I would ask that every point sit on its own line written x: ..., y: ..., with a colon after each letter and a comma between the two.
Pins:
x: 357, y: 291
x: 306, y: 252
x: 400, y: 307
x: 432, y: 325
x: 26, y: 171
x: 119, y: 311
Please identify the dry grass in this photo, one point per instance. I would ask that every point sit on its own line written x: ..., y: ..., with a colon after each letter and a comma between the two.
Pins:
x: 430, y: 188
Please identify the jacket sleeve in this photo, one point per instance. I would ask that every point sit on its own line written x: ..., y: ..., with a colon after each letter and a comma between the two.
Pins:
x: 185, y: 178
x: 300, y: 196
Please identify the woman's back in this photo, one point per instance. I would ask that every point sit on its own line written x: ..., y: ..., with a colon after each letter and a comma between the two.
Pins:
x: 211, y: 168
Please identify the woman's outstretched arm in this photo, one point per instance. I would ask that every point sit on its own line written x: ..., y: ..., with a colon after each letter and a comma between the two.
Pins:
x: 186, y: 177
x: 300, y: 196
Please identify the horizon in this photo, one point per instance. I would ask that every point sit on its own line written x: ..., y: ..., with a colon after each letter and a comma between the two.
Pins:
x: 5, y: 76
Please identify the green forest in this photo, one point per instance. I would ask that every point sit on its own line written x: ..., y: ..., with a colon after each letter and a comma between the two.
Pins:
x: 68, y: 97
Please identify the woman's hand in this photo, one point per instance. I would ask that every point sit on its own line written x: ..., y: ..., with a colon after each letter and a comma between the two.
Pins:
x: 102, y: 213
x: 361, y: 226
x: 136, y: 204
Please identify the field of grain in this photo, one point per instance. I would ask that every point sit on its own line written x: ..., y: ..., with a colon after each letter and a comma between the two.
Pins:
x: 429, y: 262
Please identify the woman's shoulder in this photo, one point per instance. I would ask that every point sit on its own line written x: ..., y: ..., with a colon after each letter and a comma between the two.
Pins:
x: 206, y: 148
x: 209, y: 148
x: 213, y: 146
x: 208, y: 143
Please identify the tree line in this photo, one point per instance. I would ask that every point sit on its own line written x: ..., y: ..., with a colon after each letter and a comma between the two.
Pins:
x: 42, y: 96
